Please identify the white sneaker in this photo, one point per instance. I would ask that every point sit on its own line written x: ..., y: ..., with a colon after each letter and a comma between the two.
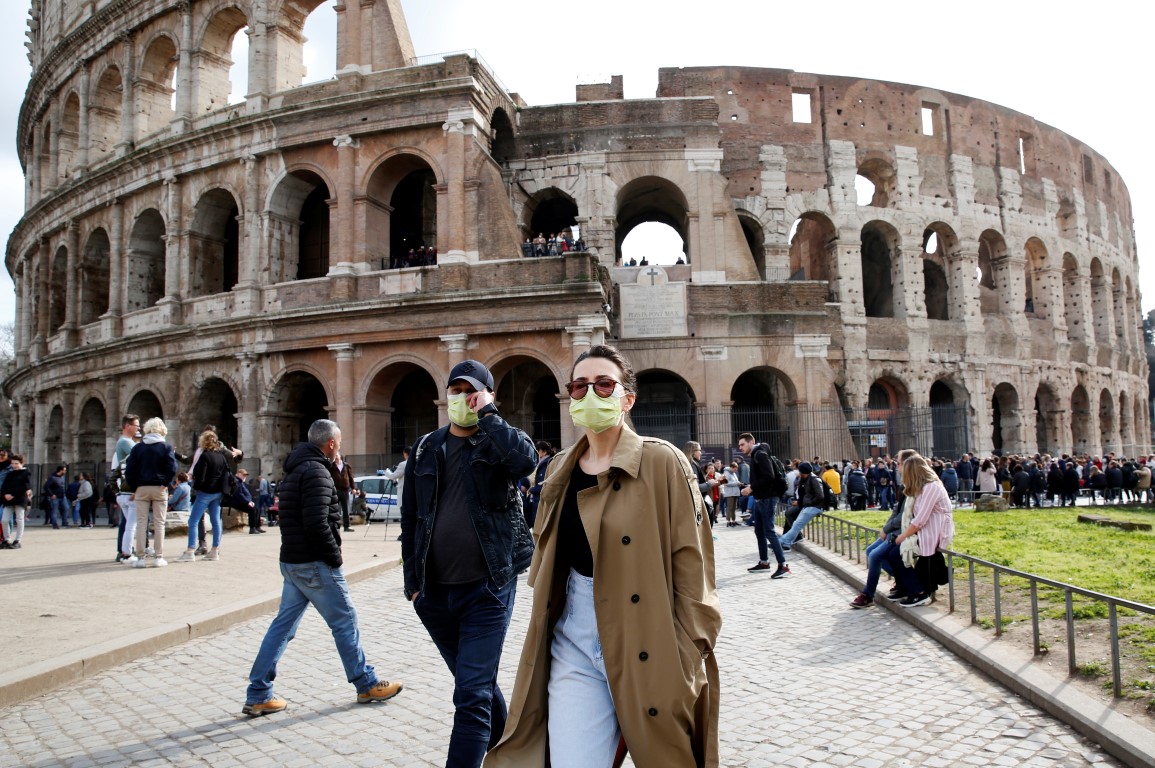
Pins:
x: 160, y: 562
x: 139, y: 563
x: 132, y: 560
x: 149, y: 551
x: 214, y: 554
x: 187, y: 557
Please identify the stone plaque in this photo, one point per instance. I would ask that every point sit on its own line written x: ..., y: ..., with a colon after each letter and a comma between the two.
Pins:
x: 653, y: 307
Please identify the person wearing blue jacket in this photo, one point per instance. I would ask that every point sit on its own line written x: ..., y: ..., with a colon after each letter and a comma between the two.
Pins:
x: 149, y: 471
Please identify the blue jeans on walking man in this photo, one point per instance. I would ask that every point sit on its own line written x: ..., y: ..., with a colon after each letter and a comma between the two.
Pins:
x: 764, y: 510
x: 325, y: 589
x: 467, y: 623
x: 804, y: 517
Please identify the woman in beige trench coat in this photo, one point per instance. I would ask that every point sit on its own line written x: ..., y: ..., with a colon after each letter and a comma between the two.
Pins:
x: 648, y: 603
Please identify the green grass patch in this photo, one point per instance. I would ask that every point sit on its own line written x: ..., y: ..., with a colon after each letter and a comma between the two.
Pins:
x: 1051, y: 543
x: 1091, y: 669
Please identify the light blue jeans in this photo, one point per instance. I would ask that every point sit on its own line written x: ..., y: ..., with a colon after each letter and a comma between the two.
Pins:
x: 211, y: 502
x: 805, y: 516
x: 326, y: 590
x: 583, y: 724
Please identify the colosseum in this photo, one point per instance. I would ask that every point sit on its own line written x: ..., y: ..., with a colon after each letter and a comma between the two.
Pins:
x: 335, y: 248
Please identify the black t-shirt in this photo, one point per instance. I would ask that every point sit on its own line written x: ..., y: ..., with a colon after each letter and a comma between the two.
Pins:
x: 455, y: 555
x: 573, y: 548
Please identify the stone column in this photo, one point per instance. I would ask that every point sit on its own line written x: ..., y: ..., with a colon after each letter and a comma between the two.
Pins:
x: 110, y: 320
x: 27, y: 320
x: 453, y: 250
x: 127, y: 96
x: 247, y: 291
x: 354, y: 32
x: 345, y: 353
x: 1009, y: 278
x: 170, y: 304
x: 249, y: 405
x: 83, y: 139
x: 39, y: 449
x: 53, y: 180
x: 341, y: 258
x: 71, y: 285
x: 812, y: 349
x: 706, y: 239
x: 40, y: 347
x: 34, y: 164
x: 456, y: 345
x: 184, y: 95
x: 69, y: 446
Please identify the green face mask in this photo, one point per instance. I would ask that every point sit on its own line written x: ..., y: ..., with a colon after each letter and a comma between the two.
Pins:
x: 594, y: 413
x: 459, y: 411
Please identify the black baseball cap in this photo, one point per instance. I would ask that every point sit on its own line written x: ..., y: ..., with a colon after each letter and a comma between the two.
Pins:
x: 473, y: 372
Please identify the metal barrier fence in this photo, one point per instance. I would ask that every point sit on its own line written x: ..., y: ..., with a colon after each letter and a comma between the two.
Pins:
x: 846, y: 538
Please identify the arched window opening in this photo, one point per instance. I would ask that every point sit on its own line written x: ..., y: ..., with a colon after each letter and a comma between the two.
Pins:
x: 1037, y: 300
x: 992, y: 253
x: 94, y: 277
x: 503, y: 145
x: 763, y: 405
x: 69, y: 143
x: 414, y: 412
x: 875, y: 178
x: 552, y: 224
x: 214, y: 244
x: 1108, y: 437
x: 213, y: 62
x: 313, y: 256
x: 1101, y: 309
x: 755, y: 239
x: 812, y: 247
x: 948, y: 414
x: 156, y: 87
x: 239, y: 69
x: 90, y: 431
x: 665, y: 407
x: 146, y: 405
x: 936, y: 290
x: 299, y: 228
x: 104, y: 116
x: 319, y: 51
x: 528, y: 391
x: 45, y: 159
x: 297, y: 400
x: 413, y: 223
x: 1005, y: 419
x: 879, y: 242
x: 658, y: 208
x: 881, y: 397
x: 146, y: 262
x: 57, y: 289
x: 215, y: 403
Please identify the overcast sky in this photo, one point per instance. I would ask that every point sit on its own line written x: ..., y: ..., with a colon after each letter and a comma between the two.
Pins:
x: 1083, y: 71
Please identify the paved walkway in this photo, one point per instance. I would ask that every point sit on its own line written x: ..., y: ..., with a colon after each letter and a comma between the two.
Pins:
x: 806, y: 682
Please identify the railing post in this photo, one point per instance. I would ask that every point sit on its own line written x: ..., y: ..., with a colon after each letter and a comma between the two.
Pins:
x: 971, y: 577
x: 950, y: 579
x: 1116, y: 672
x: 1070, y: 633
x: 998, y: 606
x: 1035, y: 614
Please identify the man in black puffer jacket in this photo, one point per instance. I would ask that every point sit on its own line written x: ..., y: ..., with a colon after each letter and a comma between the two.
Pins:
x: 311, y: 566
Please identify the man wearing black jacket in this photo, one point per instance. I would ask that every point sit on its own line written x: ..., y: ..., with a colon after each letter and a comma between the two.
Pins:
x: 311, y: 566
x: 762, y: 479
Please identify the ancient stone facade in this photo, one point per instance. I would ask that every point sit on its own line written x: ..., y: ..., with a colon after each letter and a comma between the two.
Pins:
x: 237, y: 264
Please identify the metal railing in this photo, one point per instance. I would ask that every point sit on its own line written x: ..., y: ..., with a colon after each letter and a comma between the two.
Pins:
x: 846, y: 537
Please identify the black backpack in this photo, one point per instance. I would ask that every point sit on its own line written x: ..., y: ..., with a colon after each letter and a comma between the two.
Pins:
x: 829, y: 501
x: 777, y: 473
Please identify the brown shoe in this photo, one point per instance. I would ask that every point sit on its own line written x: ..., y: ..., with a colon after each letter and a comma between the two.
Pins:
x: 265, y: 707
x: 382, y: 691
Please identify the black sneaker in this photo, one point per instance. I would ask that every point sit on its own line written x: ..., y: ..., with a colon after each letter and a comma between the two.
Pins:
x: 915, y: 601
x: 759, y: 568
x: 14, y: 545
x: 782, y: 572
x: 895, y: 594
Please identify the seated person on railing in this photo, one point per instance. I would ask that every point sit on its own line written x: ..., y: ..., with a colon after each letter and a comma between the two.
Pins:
x: 878, y: 553
x: 810, y: 502
x: 931, y: 518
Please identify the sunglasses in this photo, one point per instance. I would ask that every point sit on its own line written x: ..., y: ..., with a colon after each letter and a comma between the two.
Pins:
x: 603, y: 387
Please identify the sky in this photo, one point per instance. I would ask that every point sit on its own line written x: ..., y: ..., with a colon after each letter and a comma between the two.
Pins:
x: 1081, y: 71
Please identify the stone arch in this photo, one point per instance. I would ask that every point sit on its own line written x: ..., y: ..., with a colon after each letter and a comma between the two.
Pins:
x: 145, y: 281
x: 528, y: 391
x: 69, y: 141
x: 299, y: 226
x: 1101, y: 306
x: 665, y: 406
x: 1037, y: 299
x: 402, y: 214
x: 57, y: 289
x: 1080, y: 420
x: 813, y: 247
x: 295, y: 400
x: 941, y: 281
x: 548, y: 212
x: 94, y: 277
x: 145, y: 404
x: 1047, y: 437
x: 214, y: 401
x: 91, y: 427
x: 400, y: 405
x: 755, y: 237
x: 212, y: 56
x: 54, y: 439
x: 1073, y: 298
x: 1108, y: 434
x: 948, y: 401
x: 879, y: 171
x: 503, y: 143
x: 154, y: 86
x: 214, y: 244
x: 880, y: 256
x: 104, y: 117
x: 992, y: 257
x: 887, y: 393
x: 1006, y: 419
x: 762, y: 403
x: 290, y: 26
x: 651, y: 199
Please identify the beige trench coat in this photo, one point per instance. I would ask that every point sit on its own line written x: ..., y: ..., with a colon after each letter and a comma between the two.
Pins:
x: 656, y: 604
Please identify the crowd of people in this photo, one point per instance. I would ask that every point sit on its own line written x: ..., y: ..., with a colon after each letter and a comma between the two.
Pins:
x: 555, y: 245
x: 421, y: 256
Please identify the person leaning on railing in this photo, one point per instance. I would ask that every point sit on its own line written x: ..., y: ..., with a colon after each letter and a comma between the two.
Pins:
x: 931, y: 519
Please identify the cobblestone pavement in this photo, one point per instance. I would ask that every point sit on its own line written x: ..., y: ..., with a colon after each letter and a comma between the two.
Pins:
x: 805, y: 682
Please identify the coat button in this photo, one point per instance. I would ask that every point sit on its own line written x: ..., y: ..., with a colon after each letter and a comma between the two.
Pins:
x: 653, y: 712
x: 626, y: 540
x: 617, y: 486
x: 635, y: 599
x: 643, y: 655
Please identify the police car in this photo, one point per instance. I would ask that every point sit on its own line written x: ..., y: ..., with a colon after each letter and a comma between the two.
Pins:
x: 380, y: 497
